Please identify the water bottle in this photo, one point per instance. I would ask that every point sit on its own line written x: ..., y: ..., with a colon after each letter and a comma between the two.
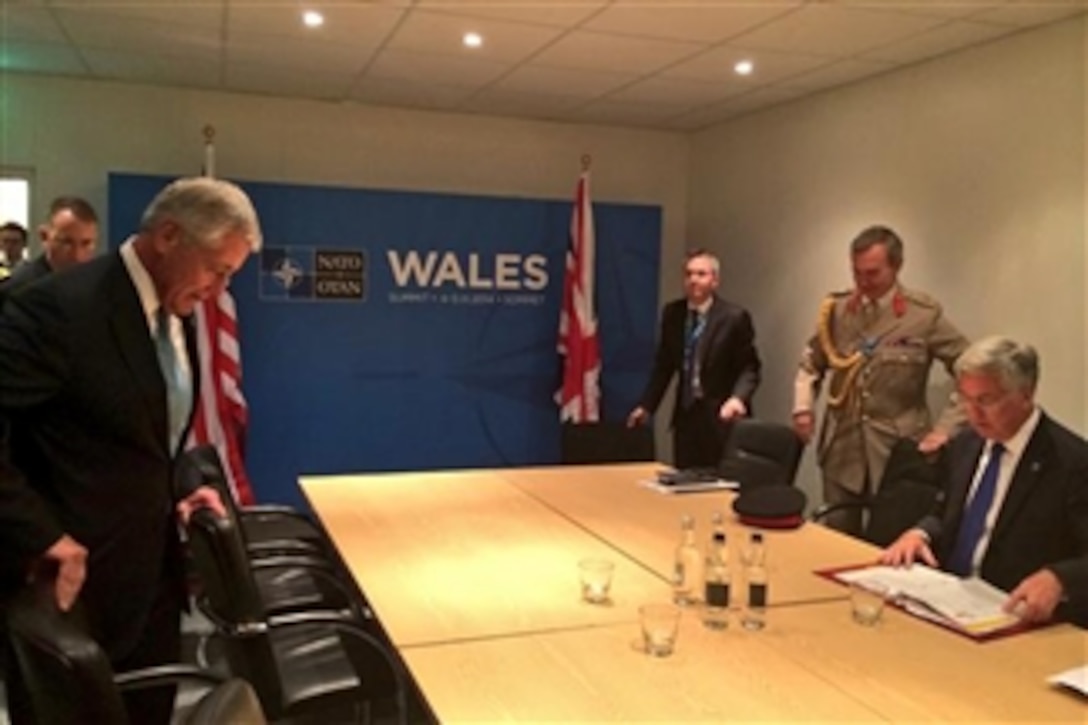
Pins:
x: 688, y: 566
x: 754, y: 616
x: 716, y: 613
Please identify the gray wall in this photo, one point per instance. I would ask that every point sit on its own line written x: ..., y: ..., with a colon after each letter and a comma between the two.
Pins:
x: 977, y: 159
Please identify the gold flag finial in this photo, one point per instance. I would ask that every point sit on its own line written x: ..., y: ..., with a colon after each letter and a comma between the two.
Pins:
x: 587, y: 160
x: 209, y: 133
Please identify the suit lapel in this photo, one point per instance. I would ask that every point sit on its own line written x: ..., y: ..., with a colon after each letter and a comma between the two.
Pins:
x: 716, y: 323
x: 1028, y: 471
x: 188, y: 324
x: 133, y: 339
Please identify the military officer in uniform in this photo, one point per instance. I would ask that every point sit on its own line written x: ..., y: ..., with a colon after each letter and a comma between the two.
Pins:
x: 877, y: 342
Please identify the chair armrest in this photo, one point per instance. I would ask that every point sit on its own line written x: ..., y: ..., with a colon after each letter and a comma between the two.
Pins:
x: 821, y: 513
x: 161, y: 675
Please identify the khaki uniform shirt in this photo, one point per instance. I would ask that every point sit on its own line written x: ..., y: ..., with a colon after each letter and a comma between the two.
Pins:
x: 885, y: 397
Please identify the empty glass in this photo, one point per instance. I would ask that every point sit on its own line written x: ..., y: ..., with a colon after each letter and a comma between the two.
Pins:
x: 596, y: 576
x: 660, y: 624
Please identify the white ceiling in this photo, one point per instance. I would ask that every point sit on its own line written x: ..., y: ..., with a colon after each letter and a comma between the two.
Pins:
x: 654, y: 63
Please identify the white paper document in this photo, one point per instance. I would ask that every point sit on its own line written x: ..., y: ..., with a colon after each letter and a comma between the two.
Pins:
x: 972, y: 605
x: 1075, y: 679
x: 692, y: 487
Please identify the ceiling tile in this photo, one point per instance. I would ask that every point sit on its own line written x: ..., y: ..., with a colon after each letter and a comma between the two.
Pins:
x: 676, y: 91
x: 155, y: 68
x: 949, y: 9
x: 442, y: 33
x: 284, y: 53
x: 29, y: 25
x: 273, y: 81
x: 559, y: 14
x: 208, y: 16
x: 946, y: 38
x: 1025, y: 13
x: 769, y: 67
x: 364, y: 25
x: 41, y: 58
x: 834, y: 30
x: 708, y: 21
x: 135, y: 34
x: 438, y: 68
x: 836, y: 74
x: 532, y: 78
x: 582, y: 49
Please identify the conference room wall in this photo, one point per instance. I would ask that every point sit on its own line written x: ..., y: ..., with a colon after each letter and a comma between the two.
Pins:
x: 72, y: 132
x: 978, y: 159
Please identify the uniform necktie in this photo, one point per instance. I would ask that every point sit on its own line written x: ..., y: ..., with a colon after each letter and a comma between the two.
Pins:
x: 690, y: 387
x: 974, y: 519
x: 179, y: 392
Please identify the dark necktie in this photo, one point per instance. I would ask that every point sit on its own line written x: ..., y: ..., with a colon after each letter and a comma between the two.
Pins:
x: 689, y: 385
x: 179, y: 393
x: 974, y: 518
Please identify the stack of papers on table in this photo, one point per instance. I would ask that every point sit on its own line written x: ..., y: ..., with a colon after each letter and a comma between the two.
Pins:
x: 971, y: 606
x: 688, y: 481
x: 1075, y: 679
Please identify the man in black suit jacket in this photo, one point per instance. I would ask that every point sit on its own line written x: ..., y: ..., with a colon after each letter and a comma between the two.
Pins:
x: 1031, y: 526
x: 710, y: 345
x: 85, y: 360
x: 68, y: 238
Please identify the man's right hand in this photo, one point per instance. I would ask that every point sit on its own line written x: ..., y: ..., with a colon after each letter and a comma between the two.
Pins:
x: 804, y: 423
x: 911, y: 546
x: 637, y: 417
x: 71, y: 562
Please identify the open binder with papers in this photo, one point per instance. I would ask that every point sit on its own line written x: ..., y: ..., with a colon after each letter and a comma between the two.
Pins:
x: 971, y: 607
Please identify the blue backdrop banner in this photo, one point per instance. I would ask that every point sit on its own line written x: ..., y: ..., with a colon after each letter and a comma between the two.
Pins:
x: 386, y: 330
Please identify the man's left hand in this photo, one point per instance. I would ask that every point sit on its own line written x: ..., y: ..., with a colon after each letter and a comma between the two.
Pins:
x: 1036, y: 597
x: 733, y: 408
x: 933, y: 442
x: 203, y: 497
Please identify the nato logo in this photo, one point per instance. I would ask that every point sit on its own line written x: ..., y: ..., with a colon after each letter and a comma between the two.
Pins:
x: 310, y: 273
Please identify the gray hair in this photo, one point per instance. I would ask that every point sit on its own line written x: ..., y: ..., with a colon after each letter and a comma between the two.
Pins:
x: 1014, y: 364
x: 879, y: 235
x: 715, y: 263
x: 206, y: 210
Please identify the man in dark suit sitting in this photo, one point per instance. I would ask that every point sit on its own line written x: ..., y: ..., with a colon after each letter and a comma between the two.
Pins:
x: 710, y: 345
x: 1015, y: 505
x: 98, y: 374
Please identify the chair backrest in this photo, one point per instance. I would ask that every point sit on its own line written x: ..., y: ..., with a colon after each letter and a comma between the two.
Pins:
x: 606, y: 442
x: 908, y: 490
x: 232, y: 599
x: 759, y: 452
x: 66, y: 674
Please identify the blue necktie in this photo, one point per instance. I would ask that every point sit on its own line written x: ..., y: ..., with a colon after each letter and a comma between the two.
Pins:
x: 179, y: 393
x: 974, y: 518
x: 690, y: 383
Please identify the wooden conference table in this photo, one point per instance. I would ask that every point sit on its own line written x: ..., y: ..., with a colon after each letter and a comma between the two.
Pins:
x: 474, y: 576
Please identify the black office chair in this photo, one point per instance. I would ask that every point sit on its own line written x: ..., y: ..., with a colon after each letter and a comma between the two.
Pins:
x: 909, y: 490
x: 606, y: 442
x: 68, y: 679
x: 306, y: 666
x: 268, y: 528
x: 760, y: 453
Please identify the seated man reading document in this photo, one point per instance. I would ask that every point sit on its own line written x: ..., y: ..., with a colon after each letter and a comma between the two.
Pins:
x: 1015, y: 505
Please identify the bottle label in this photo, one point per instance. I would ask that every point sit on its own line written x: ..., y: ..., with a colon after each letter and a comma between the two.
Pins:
x: 678, y: 574
x: 757, y: 595
x: 717, y: 594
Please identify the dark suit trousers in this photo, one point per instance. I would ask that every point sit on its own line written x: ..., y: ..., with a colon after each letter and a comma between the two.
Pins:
x: 698, y: 436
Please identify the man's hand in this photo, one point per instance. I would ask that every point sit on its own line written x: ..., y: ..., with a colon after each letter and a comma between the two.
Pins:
x: 907, y: 549
x: 733, y: 408
x: 1035, y: 598
x: 933, y: 442
x: 804, y: 423
x: 70, y: 559
x: 203, y: 497
x: 637, y: 416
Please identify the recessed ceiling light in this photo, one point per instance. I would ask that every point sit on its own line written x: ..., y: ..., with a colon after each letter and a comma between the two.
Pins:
x: 744, y: 67
x: 472, y: 40
x: 313, y: 19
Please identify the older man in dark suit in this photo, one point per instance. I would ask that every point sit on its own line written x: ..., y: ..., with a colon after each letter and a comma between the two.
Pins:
x: 1015, y: 505
x: 710, y: 345
x: 98, y: 376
